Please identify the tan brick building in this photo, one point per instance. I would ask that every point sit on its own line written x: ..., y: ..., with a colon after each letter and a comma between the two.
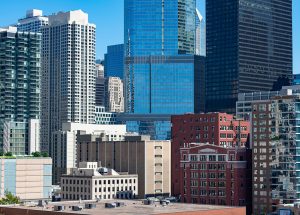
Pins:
x: 26, y: 177
x: 150, y: 160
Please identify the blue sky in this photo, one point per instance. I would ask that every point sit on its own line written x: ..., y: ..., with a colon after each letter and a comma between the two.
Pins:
x: 108, y: 16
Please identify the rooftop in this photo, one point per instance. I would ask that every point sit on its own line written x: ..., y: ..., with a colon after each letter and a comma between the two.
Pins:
x: 137, y: 207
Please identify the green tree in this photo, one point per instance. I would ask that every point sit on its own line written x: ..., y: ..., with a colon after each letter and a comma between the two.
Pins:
x: 8, y: 154
x: 36, y: 154
x: 9, y: 199
x: 45, y: 154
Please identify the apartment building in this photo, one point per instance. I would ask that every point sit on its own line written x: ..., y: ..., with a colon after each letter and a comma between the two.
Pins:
x: 20, y: 71
x: 68, y: 73
x: 92, y: 182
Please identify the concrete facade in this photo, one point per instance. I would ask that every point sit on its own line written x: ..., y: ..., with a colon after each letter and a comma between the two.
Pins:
x: 68, y: 73
x: 91, y: 182
x: 28, y: 178
x: 33, y: 22
x: 150, y: 160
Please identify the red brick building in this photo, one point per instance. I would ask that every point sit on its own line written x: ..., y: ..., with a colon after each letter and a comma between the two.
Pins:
x: 218, y: 129
x: 215, y: 175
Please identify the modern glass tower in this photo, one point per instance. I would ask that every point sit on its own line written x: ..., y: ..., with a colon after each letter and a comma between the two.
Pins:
x: 200, y: 40
x: 20, y: 71
x: 249, y: 48
x: 159, y: 56
x: 114, y: 61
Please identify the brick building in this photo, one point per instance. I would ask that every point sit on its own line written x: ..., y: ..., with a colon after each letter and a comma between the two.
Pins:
x: 215, y: 175
x: 219, y: 129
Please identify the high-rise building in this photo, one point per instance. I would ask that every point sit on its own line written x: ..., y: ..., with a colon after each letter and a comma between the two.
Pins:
x: 114, y: 61
x: 160, y: 68
x: 218, y: 129
x: 275, y: 138
x: 20, y: 71
x: 68, y: 73
x: 33, y: 22
x: 114, y: 95
x: 249, y: 48
x: 200, y: 39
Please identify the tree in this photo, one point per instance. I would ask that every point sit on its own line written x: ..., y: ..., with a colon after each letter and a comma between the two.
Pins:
x: 36, y: 154
x: 45, y: 154
x: 8, y: 154
x: 9, y: 199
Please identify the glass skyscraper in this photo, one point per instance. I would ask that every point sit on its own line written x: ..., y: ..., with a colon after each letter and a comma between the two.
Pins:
x: 159, y: 63
x: 114, y: 61
x: 162, y: 74
x: 200, y: 41
x: 249, y: 48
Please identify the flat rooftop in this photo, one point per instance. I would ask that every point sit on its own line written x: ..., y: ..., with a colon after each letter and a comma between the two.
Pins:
x: 136, y: 207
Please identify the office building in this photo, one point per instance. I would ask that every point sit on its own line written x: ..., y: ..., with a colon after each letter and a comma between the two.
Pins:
x: 68, y: 78
x: 64, y: 151
x: 218, y: 129
x: 114, y: 61
x: 275, y: 157
x: 20, y: 71
x: 104, y: 118
x: 161, y: 71
x: 215, y: 175
x: 33, y: 22
x: 150, y: 160
x: 249, y: 49
x: 28, y: 178
x: 114, y: 95
x: 200, y: 41
x: 92, y: 182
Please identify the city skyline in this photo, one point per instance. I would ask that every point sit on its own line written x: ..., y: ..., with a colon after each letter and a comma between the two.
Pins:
x: 110, y: 32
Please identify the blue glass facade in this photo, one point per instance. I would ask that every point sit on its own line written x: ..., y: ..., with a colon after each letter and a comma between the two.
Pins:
x: 158, y: 126
x: 159, y: 62
x: 296, y: 80
x: 114, y: 61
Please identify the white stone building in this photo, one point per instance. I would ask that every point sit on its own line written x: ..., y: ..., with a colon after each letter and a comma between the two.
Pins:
x: 92, y: 182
